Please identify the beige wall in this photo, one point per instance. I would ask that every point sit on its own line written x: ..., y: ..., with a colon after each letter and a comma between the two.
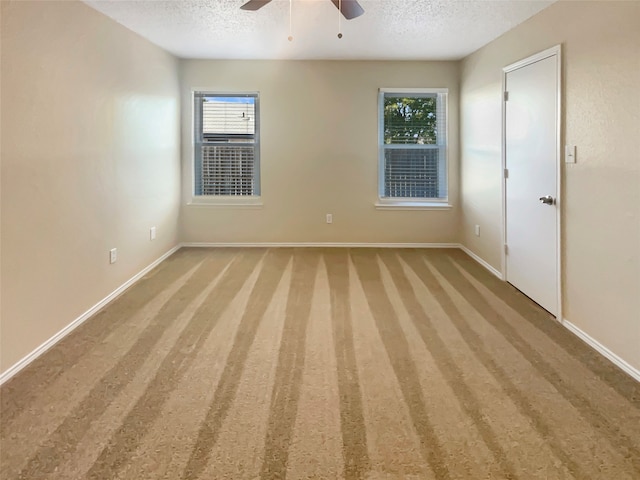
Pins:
x: 318, y: 152
x: 90, y: 161
x: 601, y: 210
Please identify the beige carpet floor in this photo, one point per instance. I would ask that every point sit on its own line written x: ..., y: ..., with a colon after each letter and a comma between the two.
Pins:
x: 320, y: 363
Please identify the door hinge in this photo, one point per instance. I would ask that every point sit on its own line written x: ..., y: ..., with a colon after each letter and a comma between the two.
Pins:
x: 506, y: 248
x: 506, y: 96
x: 506, y: 173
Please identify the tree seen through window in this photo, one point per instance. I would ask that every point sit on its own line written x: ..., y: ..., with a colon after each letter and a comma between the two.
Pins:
x: 410, y: 120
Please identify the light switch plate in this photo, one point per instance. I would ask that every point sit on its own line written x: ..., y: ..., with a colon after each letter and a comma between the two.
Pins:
x: 570, y: 154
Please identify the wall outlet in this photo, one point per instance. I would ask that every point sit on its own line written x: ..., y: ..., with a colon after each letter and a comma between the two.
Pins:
x: 477, y: 230
x: 113, y: 255
x: 152, y: 233
x: 329, y: 218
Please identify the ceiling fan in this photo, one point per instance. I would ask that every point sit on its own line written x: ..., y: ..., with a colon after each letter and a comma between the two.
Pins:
x: 349, y: 8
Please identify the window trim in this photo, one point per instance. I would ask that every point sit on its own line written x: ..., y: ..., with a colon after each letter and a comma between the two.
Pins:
x: 234, y: 201
x: 412, y: 203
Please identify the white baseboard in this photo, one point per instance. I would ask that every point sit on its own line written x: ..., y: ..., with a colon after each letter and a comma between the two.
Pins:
x: 14, y: 369
x: 17, y: 367
x: 321, y: 244
x: 592, y: 342
x: 493, y: 270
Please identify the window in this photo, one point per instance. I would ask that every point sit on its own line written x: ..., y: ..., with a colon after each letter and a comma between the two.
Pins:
x: 412, y: 146
x: 226, y: 145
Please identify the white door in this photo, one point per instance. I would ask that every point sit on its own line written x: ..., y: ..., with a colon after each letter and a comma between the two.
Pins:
x: 531, y: 184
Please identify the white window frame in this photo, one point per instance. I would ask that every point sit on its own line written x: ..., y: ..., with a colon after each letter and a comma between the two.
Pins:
x: 399, y: 203
x: 235, y: 201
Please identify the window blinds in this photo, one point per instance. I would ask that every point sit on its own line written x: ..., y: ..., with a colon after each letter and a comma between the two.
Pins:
x: 411, y: 173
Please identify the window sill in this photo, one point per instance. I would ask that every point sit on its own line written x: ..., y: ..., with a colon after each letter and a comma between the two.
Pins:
x: 226, y: 202
x: 413, y: 206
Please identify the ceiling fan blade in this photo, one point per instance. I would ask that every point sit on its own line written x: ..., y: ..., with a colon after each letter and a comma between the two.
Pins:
x: 254, y: 5
x: 350, y: 8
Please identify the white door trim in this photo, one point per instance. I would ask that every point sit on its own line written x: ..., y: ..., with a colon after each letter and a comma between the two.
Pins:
x: 550, y: 52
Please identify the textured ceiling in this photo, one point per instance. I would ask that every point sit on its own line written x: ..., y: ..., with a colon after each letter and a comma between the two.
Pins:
x: 389, y: 29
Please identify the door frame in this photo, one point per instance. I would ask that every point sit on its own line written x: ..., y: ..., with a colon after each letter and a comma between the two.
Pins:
x: 550, y: 52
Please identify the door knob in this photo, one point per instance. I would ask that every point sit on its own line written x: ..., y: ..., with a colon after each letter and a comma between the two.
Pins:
x: 548, y: 200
